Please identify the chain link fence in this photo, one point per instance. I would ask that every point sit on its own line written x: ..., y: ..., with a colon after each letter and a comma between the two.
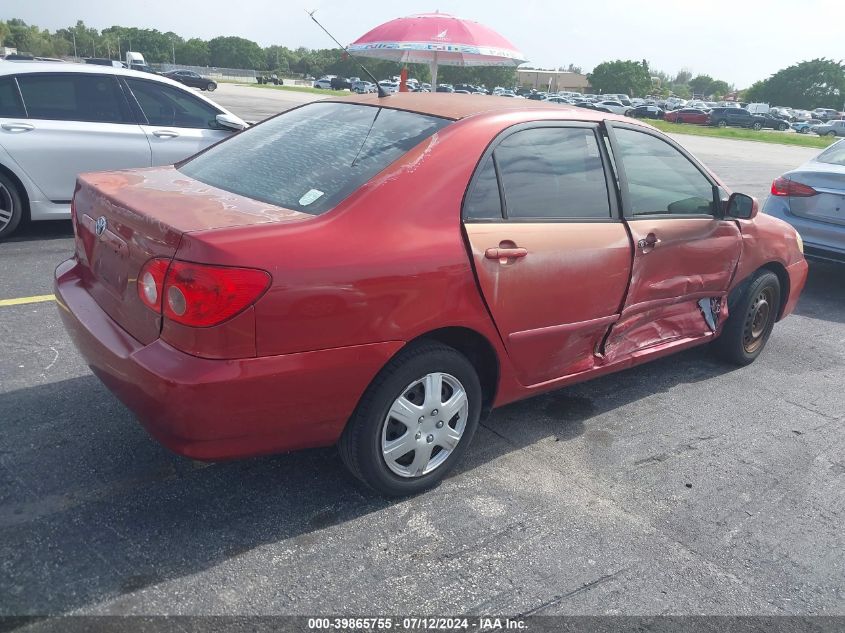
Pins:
x: 220, y: 74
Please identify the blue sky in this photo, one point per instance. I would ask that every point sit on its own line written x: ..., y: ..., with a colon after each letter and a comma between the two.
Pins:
x: 739, y: 41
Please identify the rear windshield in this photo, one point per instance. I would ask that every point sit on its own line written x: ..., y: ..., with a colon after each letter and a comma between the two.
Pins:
x: 835, y: 154
x: 311, y: 158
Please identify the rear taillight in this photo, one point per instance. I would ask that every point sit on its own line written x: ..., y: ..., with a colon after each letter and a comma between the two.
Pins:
x: 785, y: 187
x: 151, y: 283
x: 199, y: 295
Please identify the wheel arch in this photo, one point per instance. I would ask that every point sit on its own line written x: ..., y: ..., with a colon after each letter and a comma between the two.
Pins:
x: 478, y: 350
x: 783, y: 277
x: 22, y: 192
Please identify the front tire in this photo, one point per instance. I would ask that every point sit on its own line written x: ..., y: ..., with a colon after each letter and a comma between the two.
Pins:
x: 757, y: 126
x: 211, y: 87
x: 751, y: 320
x: 415, y: 420
x: 11, y: 206
x: 722, y: 123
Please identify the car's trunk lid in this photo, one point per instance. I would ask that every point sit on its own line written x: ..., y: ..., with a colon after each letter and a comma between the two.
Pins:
x: 829, y: 204
x: 123, y: 219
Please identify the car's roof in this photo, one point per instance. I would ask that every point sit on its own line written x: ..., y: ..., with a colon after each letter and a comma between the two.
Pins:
x: 25, y: 67
x: 459, y: 106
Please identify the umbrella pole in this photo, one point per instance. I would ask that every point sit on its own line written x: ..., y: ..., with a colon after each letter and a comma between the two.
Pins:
x: 433, y: 66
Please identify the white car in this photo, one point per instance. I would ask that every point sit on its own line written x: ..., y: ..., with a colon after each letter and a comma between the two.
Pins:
x: 324, y: 82
x: 615, y: 107
x: 58, y: 120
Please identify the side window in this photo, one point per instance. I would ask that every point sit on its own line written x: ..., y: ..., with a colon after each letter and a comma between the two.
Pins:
x: 483, y: 201
x: 553, y: 172
x: 10, y: 102
x: 172, y: 107
x: 660, y: 179
x: 74, y: 97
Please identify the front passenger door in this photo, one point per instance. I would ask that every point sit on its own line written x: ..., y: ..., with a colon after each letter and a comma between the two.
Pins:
x: 685, y: 251
x: 177, y: 123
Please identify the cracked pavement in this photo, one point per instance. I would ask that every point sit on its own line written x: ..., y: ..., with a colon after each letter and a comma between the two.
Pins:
x: 684, y: 486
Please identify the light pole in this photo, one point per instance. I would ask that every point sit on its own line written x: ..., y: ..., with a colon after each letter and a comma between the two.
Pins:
x: 74, y: 44
x: 173, y: 47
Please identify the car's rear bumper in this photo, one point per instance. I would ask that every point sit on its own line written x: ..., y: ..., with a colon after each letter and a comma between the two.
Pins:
x: 823, y: 240
x: 220, y: 409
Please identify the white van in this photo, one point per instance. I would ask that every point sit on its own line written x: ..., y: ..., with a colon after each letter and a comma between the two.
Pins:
x: 758, y: 108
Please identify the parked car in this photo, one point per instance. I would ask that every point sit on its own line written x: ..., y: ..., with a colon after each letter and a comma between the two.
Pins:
x: 362, y: 87
x: 558, y: 100
x: 774, y: 122
x: 740, y: 117
x: 825, y: 114
x: 589, y: 105
x: 239, y: 306
x: 192, y: 79
x: 614, y: 106
x: 687, y: 115
x: 340, y: 83
x: 445, y: 88
x: 324, y: 82
x: 389, y: 86
x: 804, y: 127
x: 58, y: 120
x: 812, y: 199
x: 646, y: 112
x: 831, y: 128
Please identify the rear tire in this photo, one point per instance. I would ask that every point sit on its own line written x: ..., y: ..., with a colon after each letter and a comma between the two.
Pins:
x: 751, y: 320
x: 722, y: 123
x: 420, y: 459
x: 11, y: 206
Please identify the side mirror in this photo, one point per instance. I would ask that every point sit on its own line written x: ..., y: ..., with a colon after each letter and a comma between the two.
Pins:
x: 229, y: 122
x: 742, y: 207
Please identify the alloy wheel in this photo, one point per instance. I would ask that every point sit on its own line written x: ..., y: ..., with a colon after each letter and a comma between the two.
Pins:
x: 424, y: 425
x: 757, y: 320
x: 7, y: 206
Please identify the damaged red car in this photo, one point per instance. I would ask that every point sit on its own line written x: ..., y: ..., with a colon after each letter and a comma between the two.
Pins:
x: 379, y: 273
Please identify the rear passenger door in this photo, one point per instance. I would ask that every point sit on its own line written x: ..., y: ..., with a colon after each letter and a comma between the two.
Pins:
x: 72, y: 123
x: 685, y: 250
x: 551, y: 254
x: 177, y: 123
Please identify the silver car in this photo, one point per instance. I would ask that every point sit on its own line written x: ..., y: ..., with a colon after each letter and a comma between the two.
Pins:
x: 831, y: 128
x: 812, y: 199
x: 58, y: 120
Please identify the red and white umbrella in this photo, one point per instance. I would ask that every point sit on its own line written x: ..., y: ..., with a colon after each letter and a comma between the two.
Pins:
x: 437, y: 38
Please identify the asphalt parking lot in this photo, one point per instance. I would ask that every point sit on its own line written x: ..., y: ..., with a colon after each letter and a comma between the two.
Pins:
x: 685, y: 486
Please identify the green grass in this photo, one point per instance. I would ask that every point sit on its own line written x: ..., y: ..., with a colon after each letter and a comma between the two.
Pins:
x: 316, y: 91
x: 763, y: 136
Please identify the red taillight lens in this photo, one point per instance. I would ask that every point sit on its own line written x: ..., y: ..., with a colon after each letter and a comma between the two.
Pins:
x: 198, y: 295
x: 785, y: 187
x: 151, y: 283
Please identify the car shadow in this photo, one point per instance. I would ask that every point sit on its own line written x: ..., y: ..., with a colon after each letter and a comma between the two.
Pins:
x: 46, y: 230
x: 824, y: 295
x: 91, y: 508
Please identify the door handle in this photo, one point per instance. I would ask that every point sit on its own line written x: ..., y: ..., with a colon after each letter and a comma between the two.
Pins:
x: 17, y: 127
x: 505, y: 253
x: 165, y: 133
x: 648, y: 242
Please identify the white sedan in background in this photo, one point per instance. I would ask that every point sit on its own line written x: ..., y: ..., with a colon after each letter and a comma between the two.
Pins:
x: 58, y: 120
x: 615, y: 107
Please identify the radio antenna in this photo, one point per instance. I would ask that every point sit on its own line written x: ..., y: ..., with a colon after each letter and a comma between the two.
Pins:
x: 381, y: 91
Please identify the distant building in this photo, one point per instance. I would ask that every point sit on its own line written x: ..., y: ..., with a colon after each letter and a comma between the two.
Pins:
x: 553, y: 80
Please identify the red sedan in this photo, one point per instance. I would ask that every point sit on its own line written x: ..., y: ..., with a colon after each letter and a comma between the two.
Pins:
x: 687, y: 115
x: 382, y: 272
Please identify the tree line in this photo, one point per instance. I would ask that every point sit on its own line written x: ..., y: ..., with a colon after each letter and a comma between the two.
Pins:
x: 814, y: 83
x: 222, y: 52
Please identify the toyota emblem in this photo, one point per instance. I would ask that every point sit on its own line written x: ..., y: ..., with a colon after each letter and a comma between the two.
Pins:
x: 101, y: 225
